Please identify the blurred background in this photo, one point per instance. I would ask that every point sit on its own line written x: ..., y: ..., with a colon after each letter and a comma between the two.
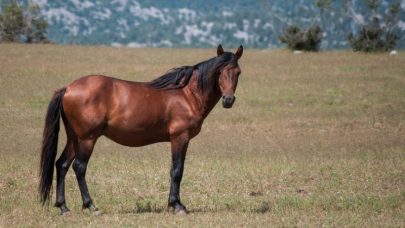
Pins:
x: 203, y: 24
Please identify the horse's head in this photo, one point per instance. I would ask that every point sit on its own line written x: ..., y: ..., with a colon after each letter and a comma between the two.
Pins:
x: 229, y: 74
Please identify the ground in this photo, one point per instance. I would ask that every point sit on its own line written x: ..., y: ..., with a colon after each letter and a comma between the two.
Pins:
x: 314, y: 139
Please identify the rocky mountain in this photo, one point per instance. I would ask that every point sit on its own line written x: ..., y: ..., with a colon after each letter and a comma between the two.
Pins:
x: 188, y: 23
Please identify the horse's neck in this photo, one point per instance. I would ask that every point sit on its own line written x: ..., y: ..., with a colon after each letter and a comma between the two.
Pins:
x: 205, y: 101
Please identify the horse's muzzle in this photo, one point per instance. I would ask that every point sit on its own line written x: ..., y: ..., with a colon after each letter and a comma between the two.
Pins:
x: 227, y: 101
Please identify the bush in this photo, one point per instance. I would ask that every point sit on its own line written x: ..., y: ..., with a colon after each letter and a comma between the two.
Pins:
x: 303, y: 40
x: 374, y: 35
x: 373, y: 40
x: 22, y: 24
x: 377, y: 37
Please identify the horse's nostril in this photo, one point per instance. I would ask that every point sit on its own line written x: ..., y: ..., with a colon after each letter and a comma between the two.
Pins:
x: 228, y: 100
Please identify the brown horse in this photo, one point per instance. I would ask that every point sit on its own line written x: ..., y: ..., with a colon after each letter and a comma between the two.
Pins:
x: 171, y: 108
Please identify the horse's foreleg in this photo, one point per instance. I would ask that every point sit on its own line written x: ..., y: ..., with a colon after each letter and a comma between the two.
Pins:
x: 85, y: 149
x: 62, y: 166
x: 179, y: 149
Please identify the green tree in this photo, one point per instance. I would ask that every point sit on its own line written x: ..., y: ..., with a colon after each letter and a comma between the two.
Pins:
x: 22, y: 23
x: 306, y: 39
x: 297, y: 39
x: 374, y: 35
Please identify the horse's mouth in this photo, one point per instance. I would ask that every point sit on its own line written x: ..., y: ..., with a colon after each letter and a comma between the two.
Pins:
x: 226, y: 104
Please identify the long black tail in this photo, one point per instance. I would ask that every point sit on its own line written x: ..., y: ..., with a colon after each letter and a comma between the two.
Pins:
x: 50, y: 145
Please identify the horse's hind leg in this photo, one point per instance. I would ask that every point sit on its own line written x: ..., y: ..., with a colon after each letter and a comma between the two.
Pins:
x: 62, y: 166
x: 85, y: 148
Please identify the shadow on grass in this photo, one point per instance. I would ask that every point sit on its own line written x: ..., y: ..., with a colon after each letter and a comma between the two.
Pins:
x: 148, y: 207
x: 263, y: 208
x: 158, y: 209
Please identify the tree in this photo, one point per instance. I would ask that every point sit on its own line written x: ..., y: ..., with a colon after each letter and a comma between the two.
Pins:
x: 22, y: 23
x: 297, y: 39
x: 307, y: 39
x: 374, y: 35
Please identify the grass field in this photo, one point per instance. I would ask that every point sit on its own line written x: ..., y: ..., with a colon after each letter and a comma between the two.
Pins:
x: 316, y: 139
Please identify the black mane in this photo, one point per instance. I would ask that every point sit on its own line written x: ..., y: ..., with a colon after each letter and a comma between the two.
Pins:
x: 208, y: 72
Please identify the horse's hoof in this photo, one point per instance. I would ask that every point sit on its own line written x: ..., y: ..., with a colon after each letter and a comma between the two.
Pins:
x: 97, y: 212
x: 65, y: 213
x: 180, y: 212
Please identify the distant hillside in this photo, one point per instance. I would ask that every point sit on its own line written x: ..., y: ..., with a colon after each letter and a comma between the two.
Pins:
x: 187, y: 23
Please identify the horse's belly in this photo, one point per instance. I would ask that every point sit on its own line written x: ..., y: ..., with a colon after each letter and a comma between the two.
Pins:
x: 136, y: 137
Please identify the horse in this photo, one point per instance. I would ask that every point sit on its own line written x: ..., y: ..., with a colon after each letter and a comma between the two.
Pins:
x: 170, y: 108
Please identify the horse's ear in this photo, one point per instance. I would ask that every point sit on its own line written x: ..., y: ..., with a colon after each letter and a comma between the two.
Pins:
x: 220, y: 51
x: 239, y: 52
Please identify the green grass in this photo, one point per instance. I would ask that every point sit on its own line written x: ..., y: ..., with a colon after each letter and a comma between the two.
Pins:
x: 315, y: 139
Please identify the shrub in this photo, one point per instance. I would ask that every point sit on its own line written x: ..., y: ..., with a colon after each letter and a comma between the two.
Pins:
x: 305, y: 40
x: 301, y: 39
x: 374, y: 35
x: 373, y: 40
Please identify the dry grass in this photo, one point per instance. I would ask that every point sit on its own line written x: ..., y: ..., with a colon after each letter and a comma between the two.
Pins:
x: 312, y: 140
